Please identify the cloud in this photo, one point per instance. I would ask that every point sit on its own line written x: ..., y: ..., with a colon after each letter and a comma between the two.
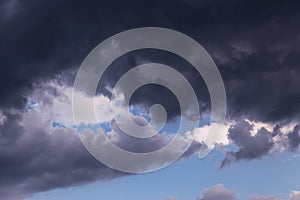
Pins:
x: 35, y: 156
x: 294, y: 138
x: 170, y: 198
x: 265, y: 198
x: 46, y: 154
x: 257, y: 54
x: 35, y: 160
x: 249, y: 147
x: 8, y: 9
x: 200, y: 134
x: 263, y: 47
x: 254, y: 140
x: 218, y: 192
x: 294, y: 195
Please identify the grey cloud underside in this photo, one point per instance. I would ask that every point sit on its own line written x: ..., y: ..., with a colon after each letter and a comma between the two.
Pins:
x: 250, y: 147
x: 140, y: 145
x: 34, y: 160
x: 294, y: 138
x: 256, y: 146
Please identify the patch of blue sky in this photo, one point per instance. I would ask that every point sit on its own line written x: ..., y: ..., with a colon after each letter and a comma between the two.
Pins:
x: 139, y: 111
x: 232, y: 147
x: 30, y: 105
x: 58, y: 125
x: 171, y: 126
x: 204, y: 121
x: 105, y: 126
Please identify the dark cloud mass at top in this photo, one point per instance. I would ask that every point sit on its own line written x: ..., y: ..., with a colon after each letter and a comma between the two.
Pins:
x: 255, y: 44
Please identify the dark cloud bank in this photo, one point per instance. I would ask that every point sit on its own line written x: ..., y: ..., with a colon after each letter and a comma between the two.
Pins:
x: 255, y: 44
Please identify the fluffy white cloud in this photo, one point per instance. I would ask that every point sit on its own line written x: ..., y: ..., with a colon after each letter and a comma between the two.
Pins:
x: 170, y: 198
x: 200, y: 133
x: 218, y: 192
x: 294, y: 195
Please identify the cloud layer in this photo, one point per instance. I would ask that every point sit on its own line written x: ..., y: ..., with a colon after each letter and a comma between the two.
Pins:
x: 255, y: 44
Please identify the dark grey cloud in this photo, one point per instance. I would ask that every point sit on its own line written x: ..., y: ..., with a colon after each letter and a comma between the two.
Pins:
x: 294, y: 138
x: 255, y: 45
x: 9, y: 130
x: 35, y: 157
x: 256, y: 53
x: 256, y: 145
x: 138, y: 145
x: 150, y: 94
x: 249, y: 147
x: 33, y: 160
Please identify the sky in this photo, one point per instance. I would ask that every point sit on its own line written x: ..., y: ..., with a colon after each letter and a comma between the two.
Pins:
x: 256, y: 48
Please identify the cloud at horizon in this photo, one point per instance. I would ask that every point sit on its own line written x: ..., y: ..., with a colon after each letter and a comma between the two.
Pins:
x: 219, y: 191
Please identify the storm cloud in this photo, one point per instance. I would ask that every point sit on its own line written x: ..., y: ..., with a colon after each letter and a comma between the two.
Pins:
x: 33, y: 160
x: 41, y: 149
x: 294, y: 138
x: 255, y: 45
x: 249, y: 147
x: 256, y: 142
